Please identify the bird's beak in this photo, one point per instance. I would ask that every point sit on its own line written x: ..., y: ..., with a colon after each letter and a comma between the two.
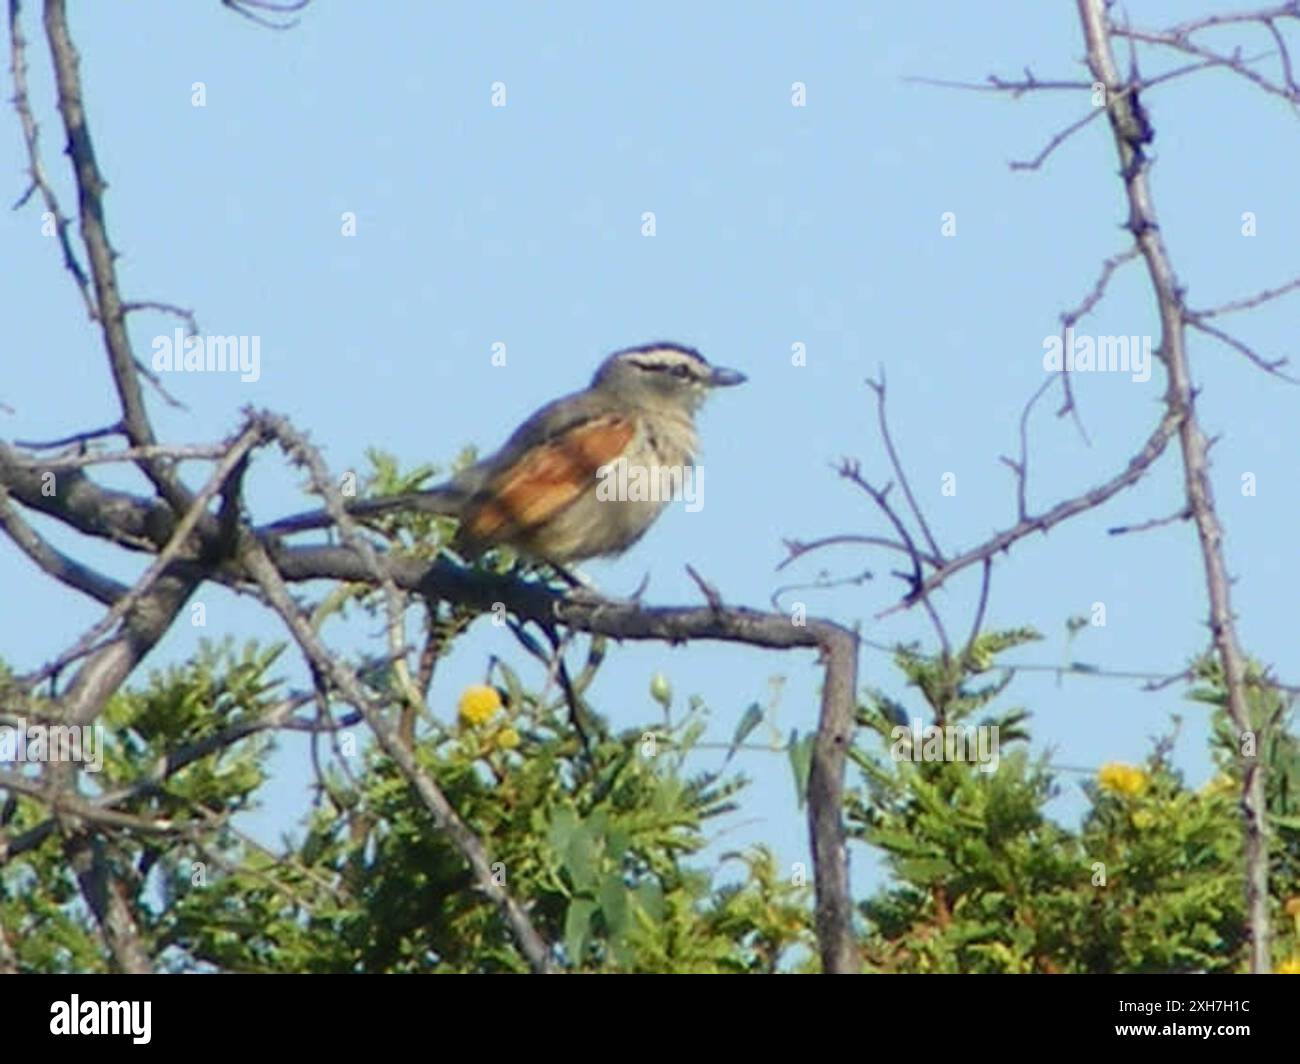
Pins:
x: 722, y: 377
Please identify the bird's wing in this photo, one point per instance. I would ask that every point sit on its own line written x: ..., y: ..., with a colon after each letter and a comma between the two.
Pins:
x: 542, y: 479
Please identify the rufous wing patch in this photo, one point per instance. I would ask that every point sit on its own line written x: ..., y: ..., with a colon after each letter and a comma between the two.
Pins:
x: 545, y: 480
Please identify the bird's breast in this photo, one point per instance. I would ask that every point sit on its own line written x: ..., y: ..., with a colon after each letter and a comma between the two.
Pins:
x: 663, y: 441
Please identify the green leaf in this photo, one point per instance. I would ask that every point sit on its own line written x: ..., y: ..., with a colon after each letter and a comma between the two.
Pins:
x: 800, y: 752
x: 514, y: 689
x: 563, y: 824
x: 582, y: 858
x: 614, y: 904
x: 925, y: 869
x: 752, y: 719
x: 650, y: 897
x: 577, y: 928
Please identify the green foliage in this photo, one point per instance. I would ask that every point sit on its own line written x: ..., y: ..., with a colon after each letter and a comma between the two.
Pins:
x: 984, y: 881
x: 601, y: 839
x: 591, y: 841
x: 594, y: 841
x: 177, y: 714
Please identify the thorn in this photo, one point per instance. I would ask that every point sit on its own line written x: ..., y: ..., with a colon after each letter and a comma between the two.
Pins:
x: 709, y: 591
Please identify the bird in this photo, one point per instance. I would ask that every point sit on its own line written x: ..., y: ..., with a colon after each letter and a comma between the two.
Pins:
x: 541, y: 492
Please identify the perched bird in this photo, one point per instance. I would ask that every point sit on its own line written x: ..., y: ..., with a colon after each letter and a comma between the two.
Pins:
x: 540, y: 493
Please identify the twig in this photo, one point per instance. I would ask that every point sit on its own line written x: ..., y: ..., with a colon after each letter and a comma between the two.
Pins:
x: 235, y: 453
x: 887, y: 437
x: 64, y: 569
x: 798, y: 548
x: 1274, y: 367
x: 247, y: 9
x: 130, y: 454
x: 1144, y: 526
x: 1235, y: 62
x: 1062, y: 511
x: 187, y: 316
x: 115, y: 429
x: 35, y: 169
x: 1248, y: 303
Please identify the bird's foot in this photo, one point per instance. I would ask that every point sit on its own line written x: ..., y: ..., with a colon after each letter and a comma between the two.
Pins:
x: 583, y: 589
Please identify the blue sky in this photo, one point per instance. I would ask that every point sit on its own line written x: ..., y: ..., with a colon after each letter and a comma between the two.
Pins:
x: 775, y: 225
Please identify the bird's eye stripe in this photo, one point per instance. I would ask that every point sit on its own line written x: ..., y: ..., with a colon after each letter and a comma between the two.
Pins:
x: 676, y: 368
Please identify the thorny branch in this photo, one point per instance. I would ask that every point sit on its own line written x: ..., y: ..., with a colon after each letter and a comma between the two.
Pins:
x: 1132, y: 133
x: 193, y: 545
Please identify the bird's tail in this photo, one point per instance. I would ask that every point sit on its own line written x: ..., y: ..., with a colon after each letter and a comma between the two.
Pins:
x: 446, y: 502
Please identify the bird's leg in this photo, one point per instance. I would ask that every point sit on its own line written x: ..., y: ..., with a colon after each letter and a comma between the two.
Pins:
x: 584, y: 588
x: 559, y: 670
x: 574, y: 578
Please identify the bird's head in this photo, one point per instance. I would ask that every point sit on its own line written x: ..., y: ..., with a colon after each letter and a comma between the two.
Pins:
x: 662, y: 375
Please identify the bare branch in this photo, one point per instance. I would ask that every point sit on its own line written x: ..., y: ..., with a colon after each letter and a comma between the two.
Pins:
x: 249, y: 8
x: 131, y: 454
x: 187, y: 316
x: 1273, y: 367
x: 1249, y: 303
x: 879, y: 388
x: 259, y: 565
x: 994, y: 83
x: 64, y: 569
x: 978, y: 622
x: 1235, y: 62
x: 115, y: 429
x: 88, y: 857
x: 236, y: 452
x: 103, y: 269
x: 1057, y: 140
x: 35, y: 169
x: 1144, y: 526
x: 798, y: 548
x: 1070, y: 318
x: 1062, y: 511
x: 1131, y: 132
x: 1021, y: 468
x: 1226, y: 18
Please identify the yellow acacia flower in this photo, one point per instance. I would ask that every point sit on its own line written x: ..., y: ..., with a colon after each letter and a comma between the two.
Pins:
x: 1142, y: 819
x: 1119, y: 778
x: 478, y: 704
x: 507, y: 739
x: 1291, y: 967
x: 1222, y: 784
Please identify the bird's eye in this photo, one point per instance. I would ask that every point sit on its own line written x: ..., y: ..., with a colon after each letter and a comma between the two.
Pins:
x: 681, y: 372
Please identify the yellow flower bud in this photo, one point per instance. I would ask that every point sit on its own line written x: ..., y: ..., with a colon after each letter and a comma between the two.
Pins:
x: 1222, y: 784
x: 478, y: 704
x: 1119, y: 778
x: 507, y: 739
